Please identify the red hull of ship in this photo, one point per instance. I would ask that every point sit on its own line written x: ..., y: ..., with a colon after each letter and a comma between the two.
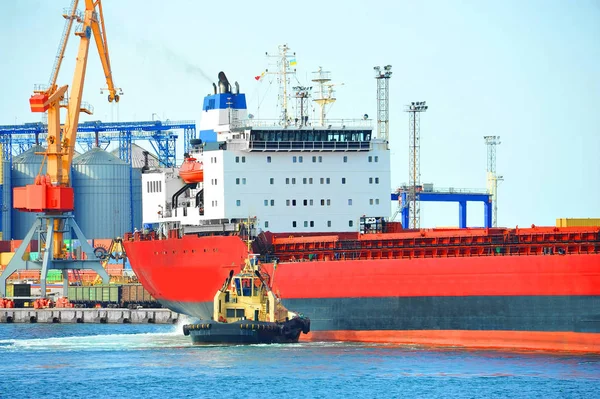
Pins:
x: 192, y: 269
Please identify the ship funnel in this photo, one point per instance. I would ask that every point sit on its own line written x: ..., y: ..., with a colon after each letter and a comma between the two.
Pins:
x: 146, y: 167
x: 224, y: 86
x: 214, y: 88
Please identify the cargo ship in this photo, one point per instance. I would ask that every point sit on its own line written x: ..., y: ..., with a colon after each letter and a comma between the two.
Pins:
x: 313, y: 195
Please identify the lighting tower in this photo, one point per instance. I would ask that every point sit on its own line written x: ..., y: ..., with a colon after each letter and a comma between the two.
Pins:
x: 383, y: 101
x: 414, y: 127
x: 492, y: 178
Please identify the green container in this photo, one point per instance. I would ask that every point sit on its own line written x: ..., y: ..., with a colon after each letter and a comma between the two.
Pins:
x: 105, y: 294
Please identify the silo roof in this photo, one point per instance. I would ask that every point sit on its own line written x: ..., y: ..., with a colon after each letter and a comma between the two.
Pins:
x: 30, y: 155
x: 97, y: 156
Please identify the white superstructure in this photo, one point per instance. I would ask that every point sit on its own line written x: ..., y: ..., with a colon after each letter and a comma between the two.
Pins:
x: 292, y: 176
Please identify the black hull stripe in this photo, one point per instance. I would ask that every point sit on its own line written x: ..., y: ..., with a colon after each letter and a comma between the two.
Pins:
x: 500, y: 313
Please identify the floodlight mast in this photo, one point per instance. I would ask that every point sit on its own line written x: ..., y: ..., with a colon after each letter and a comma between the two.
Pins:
x: 414, y: 127
x: 383, y: 76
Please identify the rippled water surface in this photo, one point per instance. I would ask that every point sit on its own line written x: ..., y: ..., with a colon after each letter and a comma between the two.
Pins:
x: 157, y: 361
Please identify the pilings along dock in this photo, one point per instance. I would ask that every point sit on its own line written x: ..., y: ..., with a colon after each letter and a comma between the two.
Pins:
x: 75, y: 315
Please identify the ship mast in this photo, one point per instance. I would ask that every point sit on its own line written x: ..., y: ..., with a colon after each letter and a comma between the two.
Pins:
x: 285, y: 67
x: 324, y: 93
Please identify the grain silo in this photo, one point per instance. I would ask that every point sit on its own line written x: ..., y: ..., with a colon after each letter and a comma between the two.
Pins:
x: 25, y: 167
x: 6, y: 201
x: 140, y: 159
x: 102, y: 187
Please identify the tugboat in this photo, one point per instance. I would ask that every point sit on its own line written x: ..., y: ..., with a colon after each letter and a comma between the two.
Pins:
x: 246, y: 311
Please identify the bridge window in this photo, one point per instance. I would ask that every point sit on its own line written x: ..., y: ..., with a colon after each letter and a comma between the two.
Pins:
x: 247, y: 286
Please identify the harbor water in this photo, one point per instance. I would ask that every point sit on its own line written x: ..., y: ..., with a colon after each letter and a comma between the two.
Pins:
x: 157, y: 361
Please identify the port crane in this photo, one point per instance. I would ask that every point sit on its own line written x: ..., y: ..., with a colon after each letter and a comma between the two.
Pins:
x: 51, y: 195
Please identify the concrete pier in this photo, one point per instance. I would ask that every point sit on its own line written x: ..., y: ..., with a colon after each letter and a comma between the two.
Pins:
x: 79, y: 315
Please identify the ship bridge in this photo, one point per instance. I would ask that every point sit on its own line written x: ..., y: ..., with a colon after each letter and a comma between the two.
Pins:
x: 308, y: 138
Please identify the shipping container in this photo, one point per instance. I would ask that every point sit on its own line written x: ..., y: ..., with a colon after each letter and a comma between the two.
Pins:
x: 578, y: 222
x: 5, y: 257
x: 5, y: 246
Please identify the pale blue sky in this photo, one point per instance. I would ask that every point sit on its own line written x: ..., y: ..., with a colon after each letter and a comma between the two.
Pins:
x: 528, y: 71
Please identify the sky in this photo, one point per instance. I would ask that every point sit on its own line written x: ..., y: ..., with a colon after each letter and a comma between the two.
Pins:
x: 528, y: 72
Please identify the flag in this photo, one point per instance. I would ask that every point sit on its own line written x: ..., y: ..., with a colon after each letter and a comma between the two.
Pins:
x: 259, y: 77
x: 293, y: 62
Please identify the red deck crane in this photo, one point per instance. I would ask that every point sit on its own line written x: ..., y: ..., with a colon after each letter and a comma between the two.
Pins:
x: 51, y: 195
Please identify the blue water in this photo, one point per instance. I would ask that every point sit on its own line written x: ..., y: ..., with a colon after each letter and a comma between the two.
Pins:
x: 157, y: 361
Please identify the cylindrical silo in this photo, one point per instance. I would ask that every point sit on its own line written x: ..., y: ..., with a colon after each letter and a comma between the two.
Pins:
x: 136, y: 197
x: 6, y: 201
x: 102, y: 187
x: 25, y: 167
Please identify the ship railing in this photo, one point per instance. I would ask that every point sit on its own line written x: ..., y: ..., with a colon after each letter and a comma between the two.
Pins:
x: 297, y: 124
x: 310, y: 145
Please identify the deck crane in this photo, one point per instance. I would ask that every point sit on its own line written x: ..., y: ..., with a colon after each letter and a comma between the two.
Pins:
x: 51, y: 195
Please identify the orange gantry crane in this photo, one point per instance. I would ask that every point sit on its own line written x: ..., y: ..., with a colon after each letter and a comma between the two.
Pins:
x: 51, y: 195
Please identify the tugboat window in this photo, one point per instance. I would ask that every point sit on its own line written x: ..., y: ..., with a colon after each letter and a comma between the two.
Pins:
x: 247, y: 287
x: 230, y: 313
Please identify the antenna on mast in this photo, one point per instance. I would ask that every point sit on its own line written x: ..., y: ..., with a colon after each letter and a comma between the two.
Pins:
x: 286, y: 64
x: 324, y: 92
